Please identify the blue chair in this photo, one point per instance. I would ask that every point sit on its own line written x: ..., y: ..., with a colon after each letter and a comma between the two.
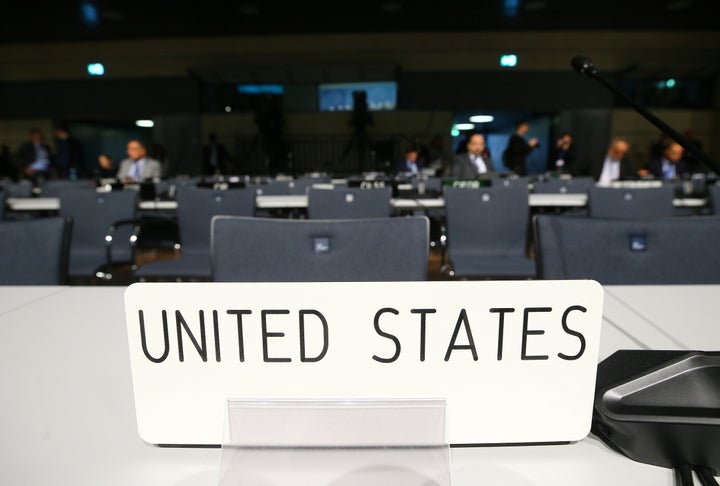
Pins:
x: 3, y: 203
x: 53, y: 187
x: 196, y: 207
x: 35, y: 252
x: 284, y: 250
x: 349, y: 203
x: 628, y: 252
x: 516, y: 181
x: 714, y: 198
x: 631, y: 203
x: 97, y: 217
x: 487, y: 231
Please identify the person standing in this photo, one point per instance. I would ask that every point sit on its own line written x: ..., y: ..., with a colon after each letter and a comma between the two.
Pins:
x: 564, y: 160
x: 215, y: 157
x: 517, y: 150
x: 69, y: 162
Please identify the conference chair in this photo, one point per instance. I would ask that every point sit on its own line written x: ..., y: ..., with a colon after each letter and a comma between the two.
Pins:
x: 53, y: 187
x: 631, y: 203
x: 284, y: 250
x: 20, y: 189
x: 98, y: 237
x: 3, y: 203
x: 521, y: 181
x: 626, y: 252
x: 714, y: 198
x: 301, y: 185
x: 196, y: 207
x: 349, y: 203
x: 575, y: 185
x: 35, y: 252
x: 487, y: 231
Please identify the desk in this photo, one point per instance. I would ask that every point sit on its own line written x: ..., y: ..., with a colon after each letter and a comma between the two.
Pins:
x: 68, y: 415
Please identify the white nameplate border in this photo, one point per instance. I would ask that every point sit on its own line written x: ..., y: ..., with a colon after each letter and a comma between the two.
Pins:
x: 515, y: 360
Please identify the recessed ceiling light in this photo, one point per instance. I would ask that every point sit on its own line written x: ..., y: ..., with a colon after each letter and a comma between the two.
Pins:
x: 464, y: 126
x: 482, y: 118
x: 144, y: 123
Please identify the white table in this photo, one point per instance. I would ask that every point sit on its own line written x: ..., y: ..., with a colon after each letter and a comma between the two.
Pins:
x: 68, y: 414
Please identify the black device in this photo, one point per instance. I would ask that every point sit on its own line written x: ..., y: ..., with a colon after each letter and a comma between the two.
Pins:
x: 662, y: 408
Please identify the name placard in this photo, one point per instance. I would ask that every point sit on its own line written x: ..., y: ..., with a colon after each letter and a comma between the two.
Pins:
x: 515, y: 360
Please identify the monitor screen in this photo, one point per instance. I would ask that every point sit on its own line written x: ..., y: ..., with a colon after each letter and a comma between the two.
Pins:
x: 339, y: 96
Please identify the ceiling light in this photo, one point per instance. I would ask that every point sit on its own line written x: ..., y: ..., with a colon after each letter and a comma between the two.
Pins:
x: 482, y: 118
x: 144, y: 123
x: 464, y: 126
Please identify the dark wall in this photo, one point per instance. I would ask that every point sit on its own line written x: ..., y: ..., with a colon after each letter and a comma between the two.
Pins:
x: 99, y: 98
x: 508, y: 90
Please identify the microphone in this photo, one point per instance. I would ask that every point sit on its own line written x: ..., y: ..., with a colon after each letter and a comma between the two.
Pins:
x: 584, y: 65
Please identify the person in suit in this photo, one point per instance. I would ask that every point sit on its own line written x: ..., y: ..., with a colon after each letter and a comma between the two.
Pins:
x: 138, y: 166
x: 411, y: 164
x: 471, y: 164
x: 69, y: 157
x: 670, y: 165
x: 564, y: 154
x: 615, y: 165
x: 34, y: 157
x: 517, y: 150
x: 215, y: 157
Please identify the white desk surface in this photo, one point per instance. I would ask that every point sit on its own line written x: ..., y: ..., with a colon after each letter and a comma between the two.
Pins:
x: 68, y: 414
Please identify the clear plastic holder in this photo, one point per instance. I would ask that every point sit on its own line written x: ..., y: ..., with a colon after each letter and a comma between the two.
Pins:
x: 335, y: 442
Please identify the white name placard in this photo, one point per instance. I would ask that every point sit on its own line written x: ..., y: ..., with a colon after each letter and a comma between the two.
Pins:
x: 515, y: 360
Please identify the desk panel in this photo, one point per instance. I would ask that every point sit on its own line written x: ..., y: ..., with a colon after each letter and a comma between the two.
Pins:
x: 68, y: 413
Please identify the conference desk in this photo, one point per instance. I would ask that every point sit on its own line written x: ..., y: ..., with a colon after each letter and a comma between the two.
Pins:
x: 68, y: 414
x: 301, y: 202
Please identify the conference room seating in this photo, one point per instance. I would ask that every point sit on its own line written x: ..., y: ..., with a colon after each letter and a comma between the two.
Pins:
x: 196, y: 207
x: 714, y: 198
x: 631, y: 203
x: 301, y: 185
x: 53, y: 187
x: 20, y: 189
x: 103, y: 224
x: 35, y: 252
x: 349, y: 203
x: 487, y: 232
x: 575, y: 185
x: 628, y: 252
x: 3, y: 203
x: 284, y: 250
x: 521, y: 181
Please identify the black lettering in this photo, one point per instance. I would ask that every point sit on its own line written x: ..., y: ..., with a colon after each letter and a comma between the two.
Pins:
x: 303, y: 356
x: 423, y: 313
x: 266, y: 334
x: 501, y: 328
x: 531, y: 332
x: 462, y: 319
x: 216, y: 332
x: 573, y: 333
x: 241, y: 339
x: 143, y: 339
x: 387, y: 335
x: 201, y: 347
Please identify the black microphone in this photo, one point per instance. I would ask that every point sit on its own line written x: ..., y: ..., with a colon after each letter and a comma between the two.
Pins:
x: 584, y: 65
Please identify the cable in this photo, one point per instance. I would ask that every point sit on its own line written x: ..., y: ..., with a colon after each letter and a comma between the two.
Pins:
x: 683, y: 475
x: 706, y: 476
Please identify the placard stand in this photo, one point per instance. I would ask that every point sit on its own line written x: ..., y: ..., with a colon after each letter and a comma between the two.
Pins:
x: 335, y: 442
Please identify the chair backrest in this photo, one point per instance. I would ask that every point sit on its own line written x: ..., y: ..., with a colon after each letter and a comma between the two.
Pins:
x: 93, y: 213
x: 20, y: 189
x: 349, y: 203
x: 631, y: 203
x: 301, y: 185
x: 487, y: 221
x: 35, y: 252
x: 53, y: 187
x: 286, y: 250
x: 576, y: 185
x: 510, y: 181
x: 620, y: 252
x: 272, y: 188
x: 714, y: 195
x: 3, y: 203
x: 197, y: 206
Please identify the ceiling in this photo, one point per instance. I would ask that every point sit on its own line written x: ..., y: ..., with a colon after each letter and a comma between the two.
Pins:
x: 88, y: 20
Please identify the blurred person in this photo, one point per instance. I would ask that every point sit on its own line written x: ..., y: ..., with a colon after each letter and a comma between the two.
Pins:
x: 215, y: 157
x: 69, y: 163
x: 34, y: 156
x: 412, y: 163
x: 693, y: 165
x: 471, y: 164
x: 670, y: 165
x: 106, y: 167
x: 657, y: 147
x: 616, y: 165
x: 138, y: 166
x: 564, y: 154
x: 7, y: 169
x: 517, y: 150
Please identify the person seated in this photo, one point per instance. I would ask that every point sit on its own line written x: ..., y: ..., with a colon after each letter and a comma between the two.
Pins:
x: 670, y: 165
x: 616, y: 166
x: 471, y: 164
x: 106, y: 167
x: 411, y: 163
x: 138, y: 166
